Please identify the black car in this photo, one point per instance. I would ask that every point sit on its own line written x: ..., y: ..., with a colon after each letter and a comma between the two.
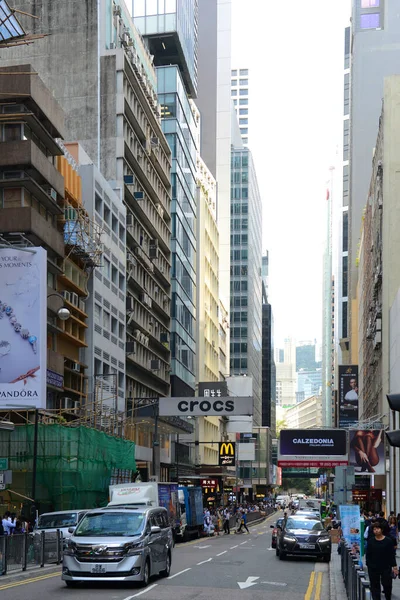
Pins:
x: 304, y: 536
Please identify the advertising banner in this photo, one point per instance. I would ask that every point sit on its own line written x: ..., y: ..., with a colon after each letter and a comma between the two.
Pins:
x: 247, y: 451
x: 23, y: 321
x: 367, y: 451
x: 204, y: 407
x: 312, y: 448
x: 351, y: 527
x: 348, y: 395
x: 227, y: 454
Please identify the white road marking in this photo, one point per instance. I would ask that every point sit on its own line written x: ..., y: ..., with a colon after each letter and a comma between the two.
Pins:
x: 176, y: 574
x: 221, y: 553
x: 243, y: 543
x: 232, y: 547
x: 248, y: 583
x: 274, y: 583
x: 204, y: 561
x: 142, y: 592
x: 208, y: 546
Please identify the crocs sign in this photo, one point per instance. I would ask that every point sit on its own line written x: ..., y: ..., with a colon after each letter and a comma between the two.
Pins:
x: 202, y: 406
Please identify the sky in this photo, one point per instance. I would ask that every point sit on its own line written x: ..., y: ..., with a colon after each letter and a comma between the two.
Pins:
x: 294, y: 53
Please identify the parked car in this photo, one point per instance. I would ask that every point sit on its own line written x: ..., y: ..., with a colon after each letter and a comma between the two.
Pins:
x: 119, y: 544
x: 304, y: 535
x: 275, y: 528
x: 308, y: 513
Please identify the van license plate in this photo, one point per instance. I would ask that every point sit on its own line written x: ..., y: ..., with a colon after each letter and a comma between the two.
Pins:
x: 307, y: 546
x: 99, y: 569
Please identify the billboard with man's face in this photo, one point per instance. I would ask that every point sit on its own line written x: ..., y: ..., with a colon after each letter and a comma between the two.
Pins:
x: 348, y: 395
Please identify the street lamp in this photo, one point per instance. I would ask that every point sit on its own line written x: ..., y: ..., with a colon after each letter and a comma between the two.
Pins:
x: 63, y: 312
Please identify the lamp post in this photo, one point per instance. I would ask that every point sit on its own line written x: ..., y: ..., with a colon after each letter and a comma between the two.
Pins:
x: 63, y: 313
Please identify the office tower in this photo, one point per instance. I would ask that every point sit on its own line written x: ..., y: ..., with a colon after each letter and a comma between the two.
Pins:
x: 240, y: 99
x: 372, y: 55
x: 268, y: 401
x: 328, y: 313
x: 246, y: 281
x: 172, y: 40
x: 306, y: 355
x: 214, y: 103
x: 286, y: 374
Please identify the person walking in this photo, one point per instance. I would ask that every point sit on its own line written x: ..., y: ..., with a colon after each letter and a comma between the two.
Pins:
x: 381, y: 562
x: 393, y: 531
x: 243, y: 523
x: 227, y: 515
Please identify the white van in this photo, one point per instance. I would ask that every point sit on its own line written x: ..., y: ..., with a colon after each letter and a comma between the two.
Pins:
x: 283, y: 500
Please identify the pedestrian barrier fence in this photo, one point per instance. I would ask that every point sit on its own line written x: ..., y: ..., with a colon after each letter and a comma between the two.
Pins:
x: 22, y: 551
x: 354, y: 577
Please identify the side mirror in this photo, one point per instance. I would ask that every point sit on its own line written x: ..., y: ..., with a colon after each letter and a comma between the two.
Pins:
x: 71, y: 529
x: 155, y: 529
x: 271, y: 526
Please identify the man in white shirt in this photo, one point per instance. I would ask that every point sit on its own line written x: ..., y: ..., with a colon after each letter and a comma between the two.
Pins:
x: 8, y: 525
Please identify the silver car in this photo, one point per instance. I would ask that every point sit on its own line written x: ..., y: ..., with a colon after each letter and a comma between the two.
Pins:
x: 119, y: 544
x: 61, y: 520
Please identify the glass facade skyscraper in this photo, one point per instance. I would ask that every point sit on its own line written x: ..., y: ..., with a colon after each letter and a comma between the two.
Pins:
x: 246, y: 281
x: 179, y: 127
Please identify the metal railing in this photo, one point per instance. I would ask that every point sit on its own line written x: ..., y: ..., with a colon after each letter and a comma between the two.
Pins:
x: 22, y: 551
x: 354, y: 577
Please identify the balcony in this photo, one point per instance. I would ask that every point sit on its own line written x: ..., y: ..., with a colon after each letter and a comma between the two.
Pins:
x: 27, y: 220
x: 26, y: 155
x: 23, y: 179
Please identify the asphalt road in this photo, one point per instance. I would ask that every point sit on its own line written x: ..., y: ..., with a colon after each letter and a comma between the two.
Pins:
x: 235, y: 567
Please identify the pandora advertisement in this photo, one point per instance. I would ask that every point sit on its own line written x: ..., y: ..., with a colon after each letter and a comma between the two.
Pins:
x: 23, y: 285
x: 313, y: 448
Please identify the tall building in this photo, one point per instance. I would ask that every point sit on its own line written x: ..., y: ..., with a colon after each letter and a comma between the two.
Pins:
x: 372, y: 55
x: 286, y: 374
x: 328, y: 329
x: 246, y: 281
x: 268, y: 401
x: 214, y: 103
x: 307, y: 414
x: 240, y: 99
x: 103, y: 75
x: 306, y: 356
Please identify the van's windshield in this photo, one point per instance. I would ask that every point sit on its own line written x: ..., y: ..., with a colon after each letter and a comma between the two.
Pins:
x: 57, y: 520
x: 108, y: 524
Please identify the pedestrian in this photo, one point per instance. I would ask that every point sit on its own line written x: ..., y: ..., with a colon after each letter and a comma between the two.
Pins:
x: 381, y: 562
x: 385, y: 525
x: 227, y: 515
x: 393, y: 531
x: 8, y: 525
x: 243, y: 523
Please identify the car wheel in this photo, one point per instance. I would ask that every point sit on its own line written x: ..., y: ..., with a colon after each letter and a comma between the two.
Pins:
x: 327, y: 558
x: 282, y: 555
x: 167, y: 570
x: 71, y: 583
x: 146, y: 573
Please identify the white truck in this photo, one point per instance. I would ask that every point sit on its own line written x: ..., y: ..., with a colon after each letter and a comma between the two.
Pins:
x: 148, y: 494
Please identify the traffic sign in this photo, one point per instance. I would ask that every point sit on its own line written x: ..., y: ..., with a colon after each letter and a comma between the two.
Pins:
x: 3, y: 464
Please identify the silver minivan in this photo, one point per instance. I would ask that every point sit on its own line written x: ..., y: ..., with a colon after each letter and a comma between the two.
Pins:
x: 119, y: 544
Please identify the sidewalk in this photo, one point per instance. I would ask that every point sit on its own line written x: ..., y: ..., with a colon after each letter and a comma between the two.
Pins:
x: 31, y: 573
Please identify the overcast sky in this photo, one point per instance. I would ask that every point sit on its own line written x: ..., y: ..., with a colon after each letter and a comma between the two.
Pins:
x: 294, y: 51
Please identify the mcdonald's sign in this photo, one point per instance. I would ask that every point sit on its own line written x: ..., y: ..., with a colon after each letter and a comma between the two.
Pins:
x: 227, y: 454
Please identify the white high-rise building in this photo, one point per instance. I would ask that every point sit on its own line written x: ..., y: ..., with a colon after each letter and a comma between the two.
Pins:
x: 240, y: 98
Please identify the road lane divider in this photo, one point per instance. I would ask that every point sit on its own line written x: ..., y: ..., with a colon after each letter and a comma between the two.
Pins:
x: 12, y: 584
x: 204, y: 561
x: 232, y: 547
x: 310, y: 588
x: 221, y: 553
x: 318, y: 586
x: 180, y: 573
x: 142, y: 592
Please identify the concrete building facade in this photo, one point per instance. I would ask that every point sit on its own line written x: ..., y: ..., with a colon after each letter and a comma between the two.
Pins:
x: 240, y: 99
x: 306, y: 414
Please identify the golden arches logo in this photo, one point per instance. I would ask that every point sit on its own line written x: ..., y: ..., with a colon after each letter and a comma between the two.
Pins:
x: 226, y: 449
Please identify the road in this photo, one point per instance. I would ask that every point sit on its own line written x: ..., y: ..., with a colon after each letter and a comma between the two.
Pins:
x: 235, y: 567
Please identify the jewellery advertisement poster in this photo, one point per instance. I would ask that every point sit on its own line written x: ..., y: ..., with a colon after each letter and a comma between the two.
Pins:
x: 23, y: 309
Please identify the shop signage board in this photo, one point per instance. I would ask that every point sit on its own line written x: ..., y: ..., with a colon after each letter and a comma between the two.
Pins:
x: 205, y: 406
x: 227, y: 454
x: 313, y: 448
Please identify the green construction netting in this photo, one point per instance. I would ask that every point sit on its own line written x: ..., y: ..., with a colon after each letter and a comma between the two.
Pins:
x: 74, y: 465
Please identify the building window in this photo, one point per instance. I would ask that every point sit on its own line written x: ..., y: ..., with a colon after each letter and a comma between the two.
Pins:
x: 369, y: 3
x: 234, y: 83
x: 235, y: 103
x: 243, y: 121
x: 97, y: 313
x: 244, y: 72
x: 243, y: 82
x: 106, y: 319
x: 11, y: 132
x: 243, y: 92
x: 234, y: 93
x: 98, y: 204
x: 346, y: 139
x: 234, y: 73
x: 346, y: 94
x: 345, y: 243
x: 345, y: 292
x: 370, y: 21
x: 107, y: 267
x: 243, y: 101
x: 243, y: 111
x: 345, y: 185
x: 344, y: 320
x: 245, y: 140
x: 244, y: 131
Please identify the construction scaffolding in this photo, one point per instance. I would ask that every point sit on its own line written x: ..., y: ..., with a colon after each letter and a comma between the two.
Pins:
x: 11, y: 31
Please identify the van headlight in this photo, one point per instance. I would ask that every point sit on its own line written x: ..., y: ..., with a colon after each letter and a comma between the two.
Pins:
x: 70, y: 548
x: 135, y: 549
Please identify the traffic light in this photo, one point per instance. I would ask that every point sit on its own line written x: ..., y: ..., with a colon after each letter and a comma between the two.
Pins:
x: 393, y: 437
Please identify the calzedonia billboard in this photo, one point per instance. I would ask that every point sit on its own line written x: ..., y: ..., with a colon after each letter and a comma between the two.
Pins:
x: 313, y: 448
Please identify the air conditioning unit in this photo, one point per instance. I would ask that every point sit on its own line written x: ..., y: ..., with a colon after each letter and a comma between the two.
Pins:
x: 137, y: 334
x: 154, y: 142
x: 53, y: 194
x: 113, y: 45
x: 66, y: 403
x: 129, y: 303
x: 74, y: 299
x: 117, y: 11
x: 378, y: 339
x: 66, y: 295
x: 160, y: 209
x: 129, y: 218
x: 76, y: 367
x: 82, y: 305
x: 156, y: 289
x: 130, y: 347
x: 143, y: 338
x: 155, y: 365
x: 76, y: 406
x: 129, y: 179
x: 138, y: 195
x: 164, y: 337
